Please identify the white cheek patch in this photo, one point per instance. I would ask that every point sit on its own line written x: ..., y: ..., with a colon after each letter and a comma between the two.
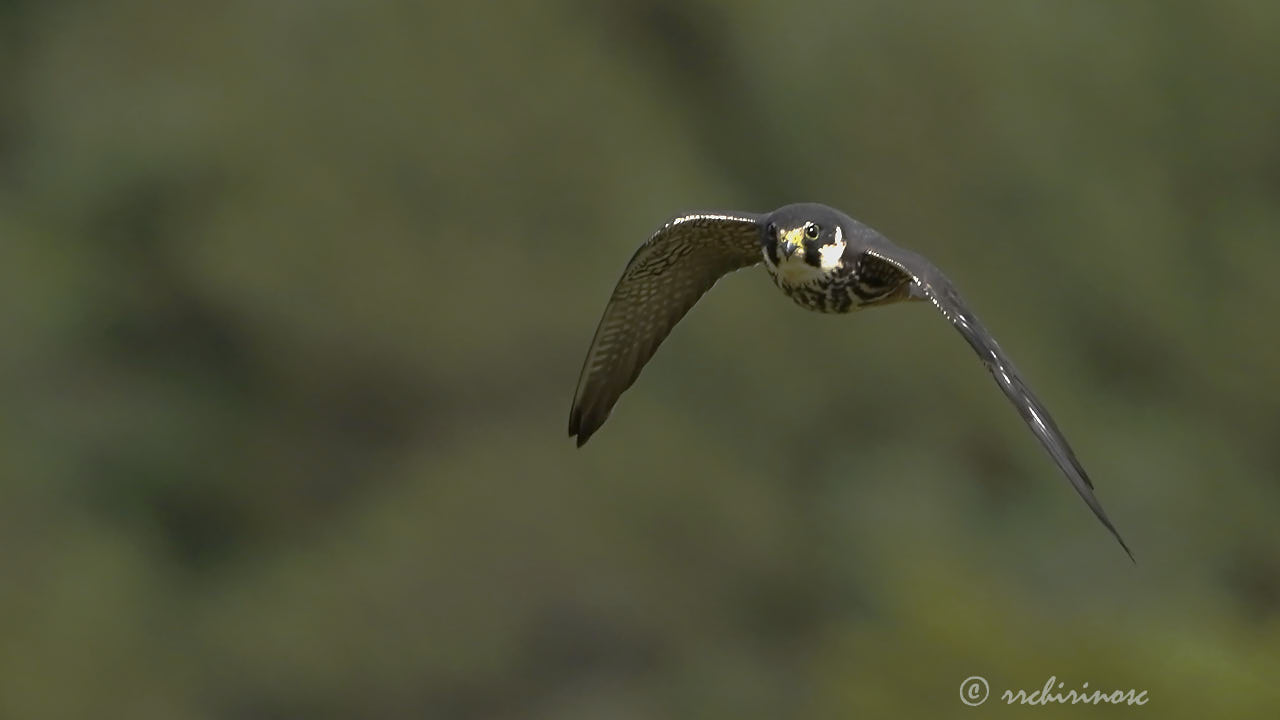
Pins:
x: 829, y: 255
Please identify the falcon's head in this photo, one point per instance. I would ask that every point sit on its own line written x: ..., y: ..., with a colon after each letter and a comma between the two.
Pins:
x: 803, y: 243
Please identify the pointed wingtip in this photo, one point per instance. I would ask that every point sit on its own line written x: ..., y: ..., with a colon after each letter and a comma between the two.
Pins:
x: 584, y: 420
x: 583, y: 433
x: 578, y: 429
x: 1106, y: 521
x: 1127, y: 551
x: 575, y: 419
x: 1086, y: 492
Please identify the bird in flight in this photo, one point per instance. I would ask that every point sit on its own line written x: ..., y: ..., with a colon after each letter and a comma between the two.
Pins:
x: 822, y: 259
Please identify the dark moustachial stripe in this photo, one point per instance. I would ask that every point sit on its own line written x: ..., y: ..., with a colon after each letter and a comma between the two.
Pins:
x: 811, y: 256
x: 771, y: 249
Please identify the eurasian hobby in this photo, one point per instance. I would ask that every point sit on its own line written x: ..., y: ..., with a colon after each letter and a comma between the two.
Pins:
x: 820, y: 257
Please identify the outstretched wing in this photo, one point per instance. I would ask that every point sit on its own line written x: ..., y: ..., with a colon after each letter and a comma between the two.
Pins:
x: 664, y: 279
x: 928, y: 283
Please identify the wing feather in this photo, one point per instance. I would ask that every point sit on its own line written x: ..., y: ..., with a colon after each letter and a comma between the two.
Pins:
x: 665, y: 277
x: 928, y: 283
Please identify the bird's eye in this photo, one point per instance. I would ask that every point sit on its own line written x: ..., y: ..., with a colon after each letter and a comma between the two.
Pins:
x: 772, y: 230
x: 812, y: 231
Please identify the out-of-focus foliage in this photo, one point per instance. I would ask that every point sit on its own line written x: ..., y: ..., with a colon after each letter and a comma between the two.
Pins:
x: 293, y: 297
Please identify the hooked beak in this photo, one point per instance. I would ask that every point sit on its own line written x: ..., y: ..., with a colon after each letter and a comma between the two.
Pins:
x: 790, y: 241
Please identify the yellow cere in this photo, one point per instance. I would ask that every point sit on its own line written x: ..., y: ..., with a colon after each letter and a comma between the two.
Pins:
x: 794, y: 236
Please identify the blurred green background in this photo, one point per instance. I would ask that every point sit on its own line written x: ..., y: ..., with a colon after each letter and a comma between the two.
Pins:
x: 294, y: 297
